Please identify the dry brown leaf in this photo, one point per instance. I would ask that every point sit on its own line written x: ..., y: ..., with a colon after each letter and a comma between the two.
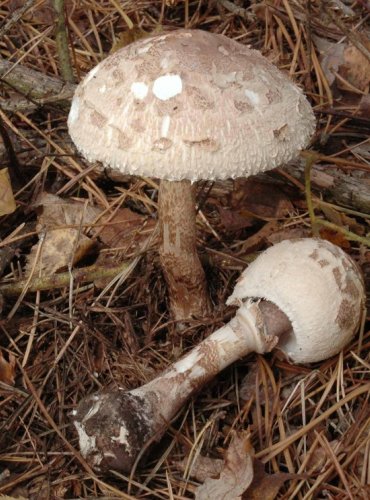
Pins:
x: 62, y: 243
x: 98, y: 357
x: 126, y: 37
x: 258, y: 239
x: 355, y: 68
x: 335, y: 237
x: 320, y: 456
x: 122, y: 229
x: 7, y: 369
x: 343, y: 63
x: 266, y: 486
x: 331, y: 59
x: 7, y: 202
x: 236, y: 475
x: 251, y: 200
x: 247, y: 389
x: 62, y: 222
x: 288, y: 233
x: 202, y: 467
x: 343, y: 220
x: 364, y: 106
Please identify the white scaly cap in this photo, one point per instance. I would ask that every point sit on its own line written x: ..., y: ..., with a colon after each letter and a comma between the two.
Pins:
x: 317, y: 285
x: 189, y: 104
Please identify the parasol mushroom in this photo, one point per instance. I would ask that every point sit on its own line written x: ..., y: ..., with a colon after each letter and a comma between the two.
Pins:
x: 185, y: 106
x: 303, y: 296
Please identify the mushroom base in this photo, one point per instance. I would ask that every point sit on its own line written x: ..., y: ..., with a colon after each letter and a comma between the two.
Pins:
x: 114, y: 428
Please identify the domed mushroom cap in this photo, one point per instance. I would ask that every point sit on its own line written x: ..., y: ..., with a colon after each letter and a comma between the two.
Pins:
x: 189, y: 105
x: 317, y: 286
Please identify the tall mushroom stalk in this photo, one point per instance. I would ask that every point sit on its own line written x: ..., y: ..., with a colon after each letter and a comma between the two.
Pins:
x: 180, y: 262
x: 185, y: 106
x: 307, y: 298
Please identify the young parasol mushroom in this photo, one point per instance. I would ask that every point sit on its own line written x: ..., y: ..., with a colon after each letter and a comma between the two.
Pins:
x: 186, y: 106
x: 303, y: 296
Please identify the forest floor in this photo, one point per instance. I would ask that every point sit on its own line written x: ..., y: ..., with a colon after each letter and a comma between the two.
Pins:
x: 84, y: 302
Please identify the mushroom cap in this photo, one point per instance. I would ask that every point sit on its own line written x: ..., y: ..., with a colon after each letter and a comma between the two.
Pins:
x: 317, y: 285
x: 189, y: 104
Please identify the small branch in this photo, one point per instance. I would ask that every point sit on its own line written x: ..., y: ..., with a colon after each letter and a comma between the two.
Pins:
x: 307, y: 175
x: 61, y: 38
x: 339, y: 187
x: 83, y: 275
x: 315, y: 221
x: 36, y: 88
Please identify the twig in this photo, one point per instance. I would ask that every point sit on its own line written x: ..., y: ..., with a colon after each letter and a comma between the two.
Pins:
x: 307, y: 183
x: 315, y: 221
x: 83, y: 275
x: 61, y: 38
x: 34, y: 86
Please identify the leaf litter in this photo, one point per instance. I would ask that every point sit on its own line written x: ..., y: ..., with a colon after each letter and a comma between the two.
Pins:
x: 78, y: 328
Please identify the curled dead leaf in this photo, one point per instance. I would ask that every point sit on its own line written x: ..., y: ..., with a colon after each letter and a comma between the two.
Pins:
x: 62, y: 223
x: 7, y: 369
x: 201, y: 468
x: 236, y: 475
x: 345, y: 64
x: 354, y: 69
x: 7, y: 202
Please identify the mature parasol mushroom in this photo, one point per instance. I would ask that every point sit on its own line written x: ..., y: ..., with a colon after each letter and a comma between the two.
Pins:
x: 185, y: 106
x: 304, y: 297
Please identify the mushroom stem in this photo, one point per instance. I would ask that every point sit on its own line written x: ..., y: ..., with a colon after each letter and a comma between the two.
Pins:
x: 306, y: 295
x: 115, y: 426
x: 180, y: 262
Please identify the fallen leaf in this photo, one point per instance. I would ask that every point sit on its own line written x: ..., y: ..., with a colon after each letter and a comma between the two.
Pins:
x: 252, y: 200
x: 62, y: 243
x: 62, y: 223
x: 344, y: 64
x: 124, y: 38
x: 98, y: 357
x: 364, y: 106
x: 247, y: 389
x: 124, y: 229
x: 354, y: 69
x: 7, y: 202
x: 258, y: 239
x: 201, y: 468
x: 343, y: 220
x: 335, y: 237
x: 236, y: 475
x: 331, y: 58
x: 7, y: 369
x: 266, y: 486
x: 234, y: 220
x: 319, y: 456
x: 288, y: 233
